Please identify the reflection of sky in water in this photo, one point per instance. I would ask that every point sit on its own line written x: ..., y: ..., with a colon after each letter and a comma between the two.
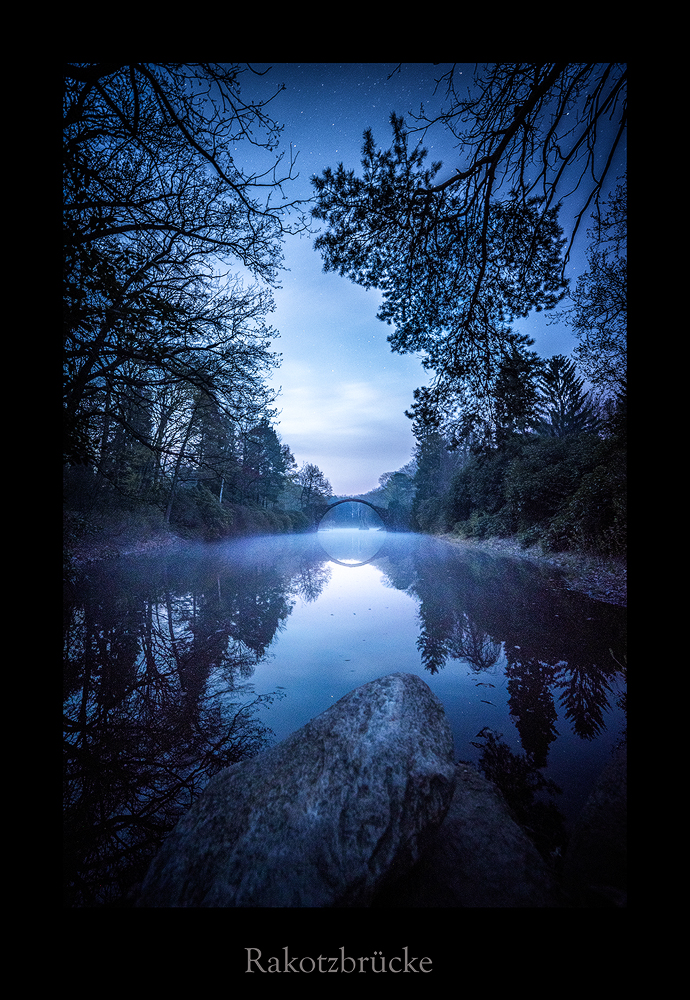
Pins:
x: 152, y: 641
x: 351, y: 546
x: 356, y: 630
x: 360, y: 627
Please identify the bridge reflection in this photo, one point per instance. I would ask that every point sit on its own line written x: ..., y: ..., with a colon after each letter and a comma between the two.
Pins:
x: 351, y: 547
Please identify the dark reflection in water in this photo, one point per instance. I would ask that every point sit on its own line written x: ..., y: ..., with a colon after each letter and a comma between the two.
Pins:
x: 159, y: 653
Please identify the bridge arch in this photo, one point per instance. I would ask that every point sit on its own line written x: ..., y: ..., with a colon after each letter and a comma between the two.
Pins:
x: 381, y: 511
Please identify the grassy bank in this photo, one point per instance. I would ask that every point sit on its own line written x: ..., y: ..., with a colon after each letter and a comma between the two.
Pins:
x: 115, y: 532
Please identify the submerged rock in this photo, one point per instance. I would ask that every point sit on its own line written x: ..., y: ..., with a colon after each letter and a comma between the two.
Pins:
x: 322, y: 819
x: 478, y: 857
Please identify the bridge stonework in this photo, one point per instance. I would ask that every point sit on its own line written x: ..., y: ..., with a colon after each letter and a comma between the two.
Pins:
x: 321, y: 512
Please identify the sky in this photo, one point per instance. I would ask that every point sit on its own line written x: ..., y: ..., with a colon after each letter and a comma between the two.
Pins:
x: 343, y: 392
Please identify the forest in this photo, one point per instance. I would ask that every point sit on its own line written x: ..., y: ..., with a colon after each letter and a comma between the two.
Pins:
x: 170, y: 253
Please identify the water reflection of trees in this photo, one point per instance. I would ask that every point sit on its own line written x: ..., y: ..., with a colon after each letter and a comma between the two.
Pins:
x: 529, y: 794
x: 157, y: 657
x: 557, y: 643
x: 531, y: 705
x: 585, y: 698
x: 159, y: 654
x: 445, y: 635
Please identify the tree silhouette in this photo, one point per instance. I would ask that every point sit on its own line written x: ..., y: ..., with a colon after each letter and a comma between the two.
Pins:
x: 565, y: 408
x: 458, y: 259
x: 154, y: 202
x: 599, y: 314
x: 315, y: 489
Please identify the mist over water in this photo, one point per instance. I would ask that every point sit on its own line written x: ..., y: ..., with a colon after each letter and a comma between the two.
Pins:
x: 176, y: 664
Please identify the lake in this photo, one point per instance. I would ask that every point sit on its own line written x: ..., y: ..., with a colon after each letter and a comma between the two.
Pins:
x: 179, y: 664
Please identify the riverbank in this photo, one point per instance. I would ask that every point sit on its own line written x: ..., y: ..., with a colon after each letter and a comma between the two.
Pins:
x: 117, y: 534
x: 602, y: 579
x: 90, y: 551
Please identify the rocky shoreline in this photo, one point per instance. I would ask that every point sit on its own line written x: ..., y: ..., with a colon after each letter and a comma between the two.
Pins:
x: 599, y: 578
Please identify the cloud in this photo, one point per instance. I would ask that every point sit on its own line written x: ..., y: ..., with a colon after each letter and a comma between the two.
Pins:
x: 353, y: 430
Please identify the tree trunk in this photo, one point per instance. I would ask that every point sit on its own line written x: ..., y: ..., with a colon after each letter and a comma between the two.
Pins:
x: 178, y: 463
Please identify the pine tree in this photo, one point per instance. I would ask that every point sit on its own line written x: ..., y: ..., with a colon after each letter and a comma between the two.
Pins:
x: 264, y: 464
x: 564, y: 406
x: 516, y: 393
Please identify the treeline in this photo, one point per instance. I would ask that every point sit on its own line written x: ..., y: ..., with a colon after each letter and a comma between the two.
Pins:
x: 214, y: 484
x: 557, y: 483
x: 166, y: 405
x: 555, y: 472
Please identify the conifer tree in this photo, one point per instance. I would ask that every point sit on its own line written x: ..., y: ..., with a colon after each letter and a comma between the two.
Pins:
x: 564, y: 406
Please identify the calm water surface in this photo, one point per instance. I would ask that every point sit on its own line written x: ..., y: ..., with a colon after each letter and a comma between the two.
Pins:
x: 178, y: 665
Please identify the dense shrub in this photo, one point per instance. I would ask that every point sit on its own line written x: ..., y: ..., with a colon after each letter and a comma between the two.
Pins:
x: 475, y: 502
x: 595, y: 517
x: 545, y: 475
x: 568, y: 492
x: 196, y: 513
x: 430, y: 514
x: 94, y: 511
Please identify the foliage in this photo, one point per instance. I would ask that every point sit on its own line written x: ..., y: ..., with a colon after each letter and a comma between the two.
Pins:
x: 595, y: 517
x: 599, y: 313
x: 166, y: 354
x: 197, y: 513
x: 435, y: 466
x: 153, y: 203
x: 396, y: 492
x: 516, y: 393
x: 565, y: 408
x: 567, y: 492
x: 315, y: 489
x: 475, y: 497
x: 448, y: 289
x: 458, y: 259
x: 543, y: 475
x: 264, y: 464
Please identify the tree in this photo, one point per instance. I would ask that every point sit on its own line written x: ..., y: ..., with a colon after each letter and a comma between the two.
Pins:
x: 148, y: 155
x: 316, y: 489
x: 458, y: 259
x: 471, y: 420
x: 264, y: 464
x: 516, y: 393
x: 546, y: 128
x: 599, y: 314
x: 154, y: 204
x: 396, y: 492
x: 564, y: 406
x: 435, y: 467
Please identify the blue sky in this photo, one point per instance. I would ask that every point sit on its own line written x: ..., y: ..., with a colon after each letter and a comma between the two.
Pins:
x: 343, y: 391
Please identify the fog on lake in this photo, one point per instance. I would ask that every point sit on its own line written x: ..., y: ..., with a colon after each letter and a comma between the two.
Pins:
x: 177, y: 665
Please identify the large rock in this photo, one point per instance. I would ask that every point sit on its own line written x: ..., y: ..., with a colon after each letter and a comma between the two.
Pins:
x: 321, y: 819
x: 478, y: 857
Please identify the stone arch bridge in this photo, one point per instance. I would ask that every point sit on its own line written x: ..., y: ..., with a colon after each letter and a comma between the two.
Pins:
x: 321, y: 511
